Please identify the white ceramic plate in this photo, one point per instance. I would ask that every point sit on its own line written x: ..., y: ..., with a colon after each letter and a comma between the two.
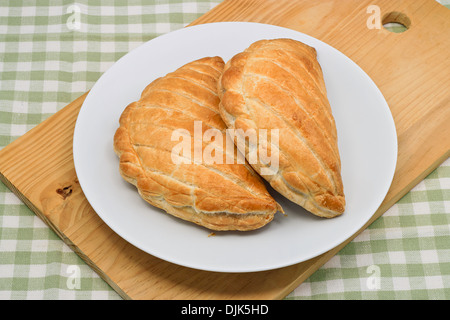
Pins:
x: 367, y: 144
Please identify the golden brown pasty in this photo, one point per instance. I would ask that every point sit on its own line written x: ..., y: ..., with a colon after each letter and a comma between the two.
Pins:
x: 278, y: 84
x: 180, y: 108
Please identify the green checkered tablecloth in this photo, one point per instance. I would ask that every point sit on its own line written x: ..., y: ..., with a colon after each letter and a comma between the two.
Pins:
x: 52, y: 53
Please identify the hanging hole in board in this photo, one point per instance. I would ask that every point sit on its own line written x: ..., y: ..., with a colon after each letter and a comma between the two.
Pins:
x: 396, y: 22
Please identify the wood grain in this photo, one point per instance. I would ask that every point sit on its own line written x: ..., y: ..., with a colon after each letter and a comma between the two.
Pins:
x: 411, y: 70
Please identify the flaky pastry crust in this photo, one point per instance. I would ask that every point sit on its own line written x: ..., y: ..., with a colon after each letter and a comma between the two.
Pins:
x: 278, y: 84
x: 216, y: 196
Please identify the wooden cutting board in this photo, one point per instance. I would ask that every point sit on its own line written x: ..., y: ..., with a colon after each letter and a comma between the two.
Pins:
x: 411, y: 69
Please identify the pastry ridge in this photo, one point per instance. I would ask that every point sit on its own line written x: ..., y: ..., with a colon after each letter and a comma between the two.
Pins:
x: 278, y: 84
x: 216, y: 196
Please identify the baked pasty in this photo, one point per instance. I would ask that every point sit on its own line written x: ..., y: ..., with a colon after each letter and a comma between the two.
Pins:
x: 218, y: 196
x: 278, y: 84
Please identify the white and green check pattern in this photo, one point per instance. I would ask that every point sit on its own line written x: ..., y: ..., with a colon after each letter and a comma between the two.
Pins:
x: 47, y: 60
